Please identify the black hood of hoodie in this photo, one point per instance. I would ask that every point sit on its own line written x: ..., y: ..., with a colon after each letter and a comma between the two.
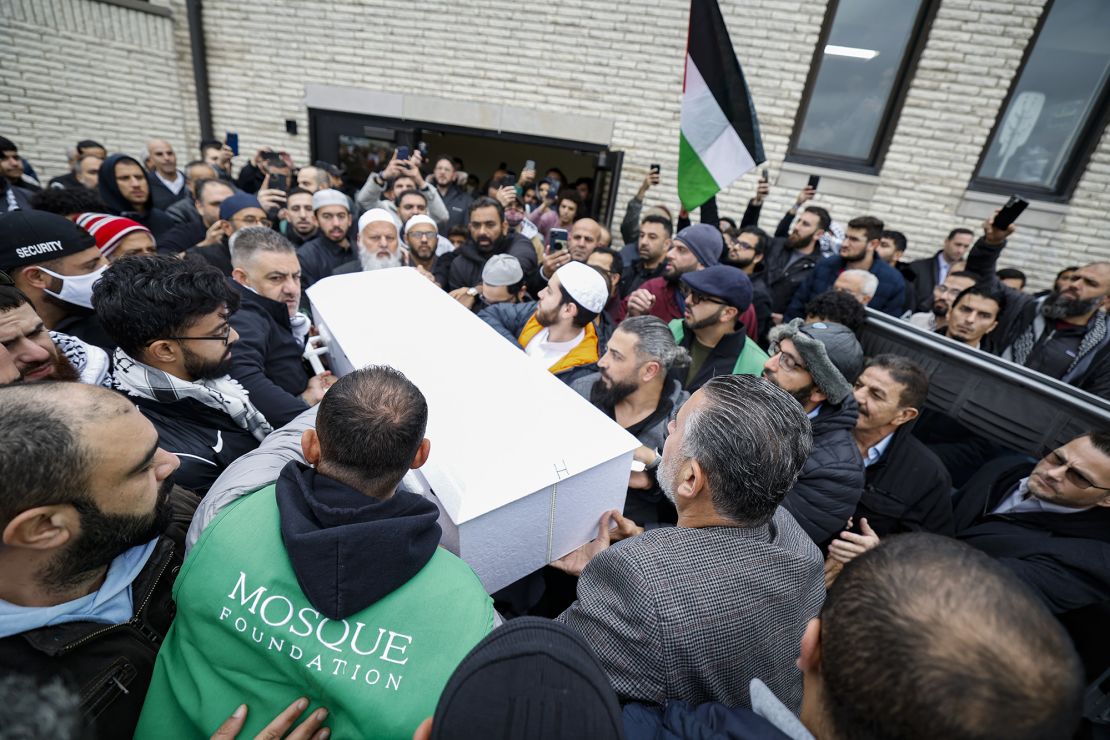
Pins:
x: 350, y: 550
x: 109, y: 190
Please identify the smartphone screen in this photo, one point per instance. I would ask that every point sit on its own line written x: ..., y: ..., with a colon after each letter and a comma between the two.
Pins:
x: 766, y: 175
x: 814, y: 181
x: 277, y: 182
x: 402, y: 152
x: 231, y: 138
x: 530, y: 165
x: 655, y: 168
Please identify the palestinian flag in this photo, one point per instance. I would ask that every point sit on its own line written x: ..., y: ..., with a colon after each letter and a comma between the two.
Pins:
x: 720, y: 134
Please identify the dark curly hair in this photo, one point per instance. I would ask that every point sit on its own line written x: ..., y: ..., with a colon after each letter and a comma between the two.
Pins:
x: 837, y: 307
x: 141, y: 300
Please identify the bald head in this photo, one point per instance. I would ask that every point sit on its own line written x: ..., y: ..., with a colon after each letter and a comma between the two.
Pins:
x: 160, y: 157
x: 927, y: 637
x: 585, y: 237
x: 45, y: 431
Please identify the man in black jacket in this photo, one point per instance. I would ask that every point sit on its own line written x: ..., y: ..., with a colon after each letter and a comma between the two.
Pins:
x: 1064, y: 334
x: 632, y: 388
x: 455, y: 199
x: 1049, y: 523
x: 125, y: 189
x: 93, y: 539
x: 55, y: 263
x: 817, y: 364
x: 332, y: 246
x: 170, y: 320
x: 791, y: 259
x: 931, y: 271
x: 267, y: 358
x: 167, y: 183
x: 711, y: 331
x: 908, y: 488
x: 489, y: 235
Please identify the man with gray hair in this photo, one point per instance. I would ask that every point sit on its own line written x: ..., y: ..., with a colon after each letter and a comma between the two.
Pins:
x: 860, y: 284
x: 695, y: 612
x: 817, y: 364
x: 632, y: 388
x: 267, y: 360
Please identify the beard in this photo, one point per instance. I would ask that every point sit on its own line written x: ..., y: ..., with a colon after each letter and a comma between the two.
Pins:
x: 373, y: 261
x: 607, y: 393
x: 940, y: 310
x: 104, y: 537
x: 203, y: 369
x: 801, y: 395
x: 708, y: 321
x: 797, y: 242
x: 1058, y: 306
x: 667, y: 476
x: 63, y: 369
x: 547, y: 318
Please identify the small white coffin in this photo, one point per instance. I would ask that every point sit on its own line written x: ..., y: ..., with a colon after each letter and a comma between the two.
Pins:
x: 523, y: 465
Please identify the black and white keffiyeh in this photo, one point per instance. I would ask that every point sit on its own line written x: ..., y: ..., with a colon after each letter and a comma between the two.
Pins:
x: 222, y: 394
x: 90, y: 361
x: 1025, y: 342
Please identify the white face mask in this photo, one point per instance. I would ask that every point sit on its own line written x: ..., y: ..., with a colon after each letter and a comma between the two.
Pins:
x: 76, y: 289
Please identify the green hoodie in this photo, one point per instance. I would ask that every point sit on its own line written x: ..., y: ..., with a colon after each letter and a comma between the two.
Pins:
x: 246, y: 633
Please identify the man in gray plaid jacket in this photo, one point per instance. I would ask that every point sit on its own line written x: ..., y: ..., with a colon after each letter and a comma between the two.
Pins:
x: 696, y: 611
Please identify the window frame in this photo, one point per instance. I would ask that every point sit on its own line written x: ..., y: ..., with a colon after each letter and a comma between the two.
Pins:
x: 1076, y: 164
x: 888, y: 123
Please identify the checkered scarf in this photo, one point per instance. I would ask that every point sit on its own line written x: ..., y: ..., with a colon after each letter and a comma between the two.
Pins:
x: 1023, y: 345
x: 222, y: 394
x: 90, y: 362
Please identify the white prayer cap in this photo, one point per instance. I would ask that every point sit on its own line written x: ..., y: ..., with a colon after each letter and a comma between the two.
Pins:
x: 502, y: 270
x: 377, y: 214
x: 329, y: 197
x: 418, y: 219
x: 585, y: 285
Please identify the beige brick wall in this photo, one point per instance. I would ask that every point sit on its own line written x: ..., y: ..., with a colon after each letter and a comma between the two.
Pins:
x: 77, y: 69
x: 621, y: 62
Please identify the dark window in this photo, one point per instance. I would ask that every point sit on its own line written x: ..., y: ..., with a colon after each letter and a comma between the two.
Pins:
x: 857, y: 82
x: 1057, y: 108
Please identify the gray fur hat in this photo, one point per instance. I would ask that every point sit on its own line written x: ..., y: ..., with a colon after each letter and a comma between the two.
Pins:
x: 832, y: 354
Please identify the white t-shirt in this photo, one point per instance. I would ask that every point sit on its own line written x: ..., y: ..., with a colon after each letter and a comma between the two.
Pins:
x: 549, y: 353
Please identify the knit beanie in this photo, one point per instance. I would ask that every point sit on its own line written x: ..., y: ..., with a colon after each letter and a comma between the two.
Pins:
x: 531, y: 678
x: 705, y: 241
x: 108, y: 230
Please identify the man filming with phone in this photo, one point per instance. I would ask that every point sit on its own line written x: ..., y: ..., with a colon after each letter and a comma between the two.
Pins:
x: 1065, y: 334
x: 400, y: 175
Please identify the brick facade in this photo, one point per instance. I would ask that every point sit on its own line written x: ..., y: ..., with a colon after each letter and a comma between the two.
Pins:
x: 618, y: 62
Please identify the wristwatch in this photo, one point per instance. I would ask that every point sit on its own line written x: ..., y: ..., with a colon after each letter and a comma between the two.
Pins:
x: 472, y: 292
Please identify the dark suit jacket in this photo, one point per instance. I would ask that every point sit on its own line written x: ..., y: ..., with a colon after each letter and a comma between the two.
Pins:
x: 908, y: 489
x: 696, y: 614
x: 925, y: 273
x: 1064, y: 558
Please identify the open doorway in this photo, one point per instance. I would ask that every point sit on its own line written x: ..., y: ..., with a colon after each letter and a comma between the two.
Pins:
x: 363, y: 144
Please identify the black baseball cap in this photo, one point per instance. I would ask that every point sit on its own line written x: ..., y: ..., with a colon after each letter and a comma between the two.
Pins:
x: 728, y: 283
x: 34, y: 237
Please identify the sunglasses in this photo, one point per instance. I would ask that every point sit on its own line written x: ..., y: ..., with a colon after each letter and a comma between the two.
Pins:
x: 1073, y: 476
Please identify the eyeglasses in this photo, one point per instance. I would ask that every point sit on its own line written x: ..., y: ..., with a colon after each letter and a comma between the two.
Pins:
x: 423, y: 235
x: 1074, y: 477
x: 254, y: 221
x: 786, y: 362
x: 693, y: 297
x: 215, y: 338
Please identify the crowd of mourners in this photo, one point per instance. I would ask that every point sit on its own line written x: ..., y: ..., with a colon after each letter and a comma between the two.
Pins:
x: 206, y: 531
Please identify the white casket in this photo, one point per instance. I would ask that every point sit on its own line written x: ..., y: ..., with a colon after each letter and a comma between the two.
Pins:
x: 523, y: 465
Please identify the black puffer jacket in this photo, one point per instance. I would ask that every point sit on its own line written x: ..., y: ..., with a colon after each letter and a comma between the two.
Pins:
x: 832, y: 479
